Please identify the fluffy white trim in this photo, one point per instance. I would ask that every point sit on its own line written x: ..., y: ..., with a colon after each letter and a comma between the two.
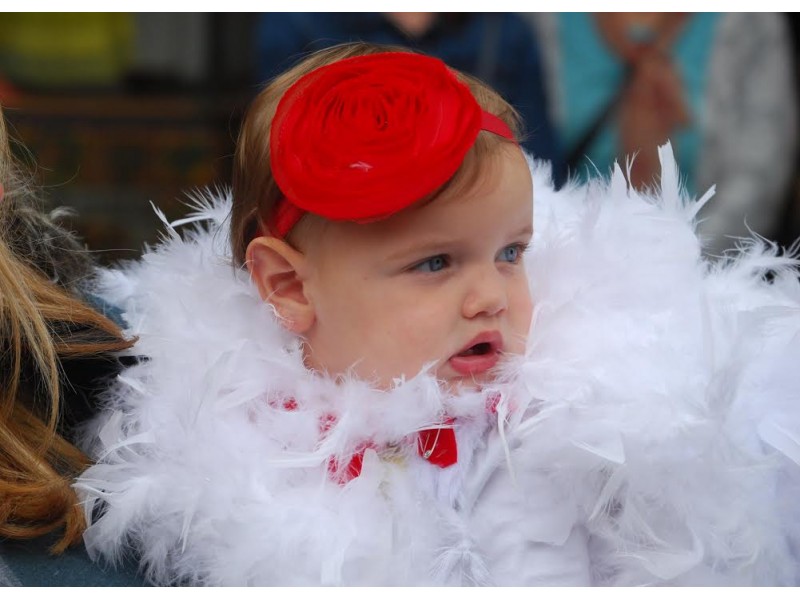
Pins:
x: 650, y: 435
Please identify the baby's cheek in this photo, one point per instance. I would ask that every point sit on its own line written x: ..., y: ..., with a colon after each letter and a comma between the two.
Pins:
x: 411, y: 345
x: 522, y: 314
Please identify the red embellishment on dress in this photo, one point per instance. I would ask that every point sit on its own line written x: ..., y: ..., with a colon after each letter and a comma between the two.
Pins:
x: 438, y: 444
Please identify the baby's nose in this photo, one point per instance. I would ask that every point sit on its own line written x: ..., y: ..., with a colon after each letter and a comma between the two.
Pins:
x: 487, y: 295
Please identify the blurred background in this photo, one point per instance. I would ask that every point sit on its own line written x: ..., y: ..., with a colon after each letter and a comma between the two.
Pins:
x: 116, y: 110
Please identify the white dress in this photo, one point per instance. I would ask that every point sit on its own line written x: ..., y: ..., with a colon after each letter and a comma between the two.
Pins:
x: 650, y: 435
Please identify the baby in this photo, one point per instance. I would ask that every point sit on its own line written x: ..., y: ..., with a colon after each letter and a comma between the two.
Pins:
x: 363, y: 404
x: 382, y: 207
x: 392, y: 218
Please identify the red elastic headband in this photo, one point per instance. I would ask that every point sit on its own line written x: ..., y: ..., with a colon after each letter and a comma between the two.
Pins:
x: 365, y: 137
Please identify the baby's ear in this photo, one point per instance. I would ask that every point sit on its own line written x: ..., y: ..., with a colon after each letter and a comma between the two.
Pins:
x: 279, y: 271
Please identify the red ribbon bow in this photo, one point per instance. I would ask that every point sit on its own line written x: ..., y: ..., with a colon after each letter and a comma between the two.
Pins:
x: 437, y: 445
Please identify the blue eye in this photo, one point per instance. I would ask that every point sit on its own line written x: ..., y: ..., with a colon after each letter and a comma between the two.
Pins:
x: 433, y: 264
x: 511, y: 253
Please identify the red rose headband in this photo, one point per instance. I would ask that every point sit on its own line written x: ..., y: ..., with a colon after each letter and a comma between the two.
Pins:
x: 365, y: 137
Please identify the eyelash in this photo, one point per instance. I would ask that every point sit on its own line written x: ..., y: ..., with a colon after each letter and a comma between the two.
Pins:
x: 520, y: 248
x: 444, y: 260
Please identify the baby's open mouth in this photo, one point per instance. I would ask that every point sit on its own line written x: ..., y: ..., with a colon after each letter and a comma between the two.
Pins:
x: 477, y: 349
x: 479, y: 355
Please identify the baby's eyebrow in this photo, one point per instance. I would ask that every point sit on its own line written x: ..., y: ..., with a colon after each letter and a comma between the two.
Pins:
x: 435, y: 245
x: 526, y: 230
x: 412, y: 249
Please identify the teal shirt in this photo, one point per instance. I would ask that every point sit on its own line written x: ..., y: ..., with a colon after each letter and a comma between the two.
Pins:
x: 30, y: 564
x: 590, y: 75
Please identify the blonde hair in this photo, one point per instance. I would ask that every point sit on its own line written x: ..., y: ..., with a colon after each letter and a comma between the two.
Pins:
x: 254, y: 189
x: 41, y: 323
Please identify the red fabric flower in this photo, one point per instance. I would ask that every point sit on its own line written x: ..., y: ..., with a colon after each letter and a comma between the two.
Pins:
x: 365, y: 137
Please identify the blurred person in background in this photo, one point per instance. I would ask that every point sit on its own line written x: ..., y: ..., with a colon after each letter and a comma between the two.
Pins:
x: 719, y: 86
x: 55, y: 354
x: 498, y: 48
x: 47, y: 51
x: 790, y: 230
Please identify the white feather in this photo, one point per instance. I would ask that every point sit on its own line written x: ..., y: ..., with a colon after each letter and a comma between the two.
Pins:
x: 648, y: 436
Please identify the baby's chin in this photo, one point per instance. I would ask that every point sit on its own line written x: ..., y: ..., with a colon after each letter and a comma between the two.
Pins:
x: 456, y: 388
x: 466, y: 384
x: 478, y: 376
x: 450, y: 381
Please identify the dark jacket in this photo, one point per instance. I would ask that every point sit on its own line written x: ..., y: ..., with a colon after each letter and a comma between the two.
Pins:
x: 498, y: 48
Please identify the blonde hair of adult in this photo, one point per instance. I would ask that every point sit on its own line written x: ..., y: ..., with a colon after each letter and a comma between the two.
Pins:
x: 41, y: 322
x: 254, y: 189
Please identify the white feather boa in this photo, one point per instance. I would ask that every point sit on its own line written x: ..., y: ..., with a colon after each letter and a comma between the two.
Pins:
x: 651, y: 434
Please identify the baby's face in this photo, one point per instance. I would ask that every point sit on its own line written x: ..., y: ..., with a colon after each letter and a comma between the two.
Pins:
x: 441, y: 283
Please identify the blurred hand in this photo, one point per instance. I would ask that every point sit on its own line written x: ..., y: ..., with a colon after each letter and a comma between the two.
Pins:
x: 653, y: 105
x: 652, y: 109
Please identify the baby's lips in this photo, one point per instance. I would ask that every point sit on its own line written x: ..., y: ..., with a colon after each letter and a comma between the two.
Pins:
x: 492, y: 339
x: 474, y: 364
